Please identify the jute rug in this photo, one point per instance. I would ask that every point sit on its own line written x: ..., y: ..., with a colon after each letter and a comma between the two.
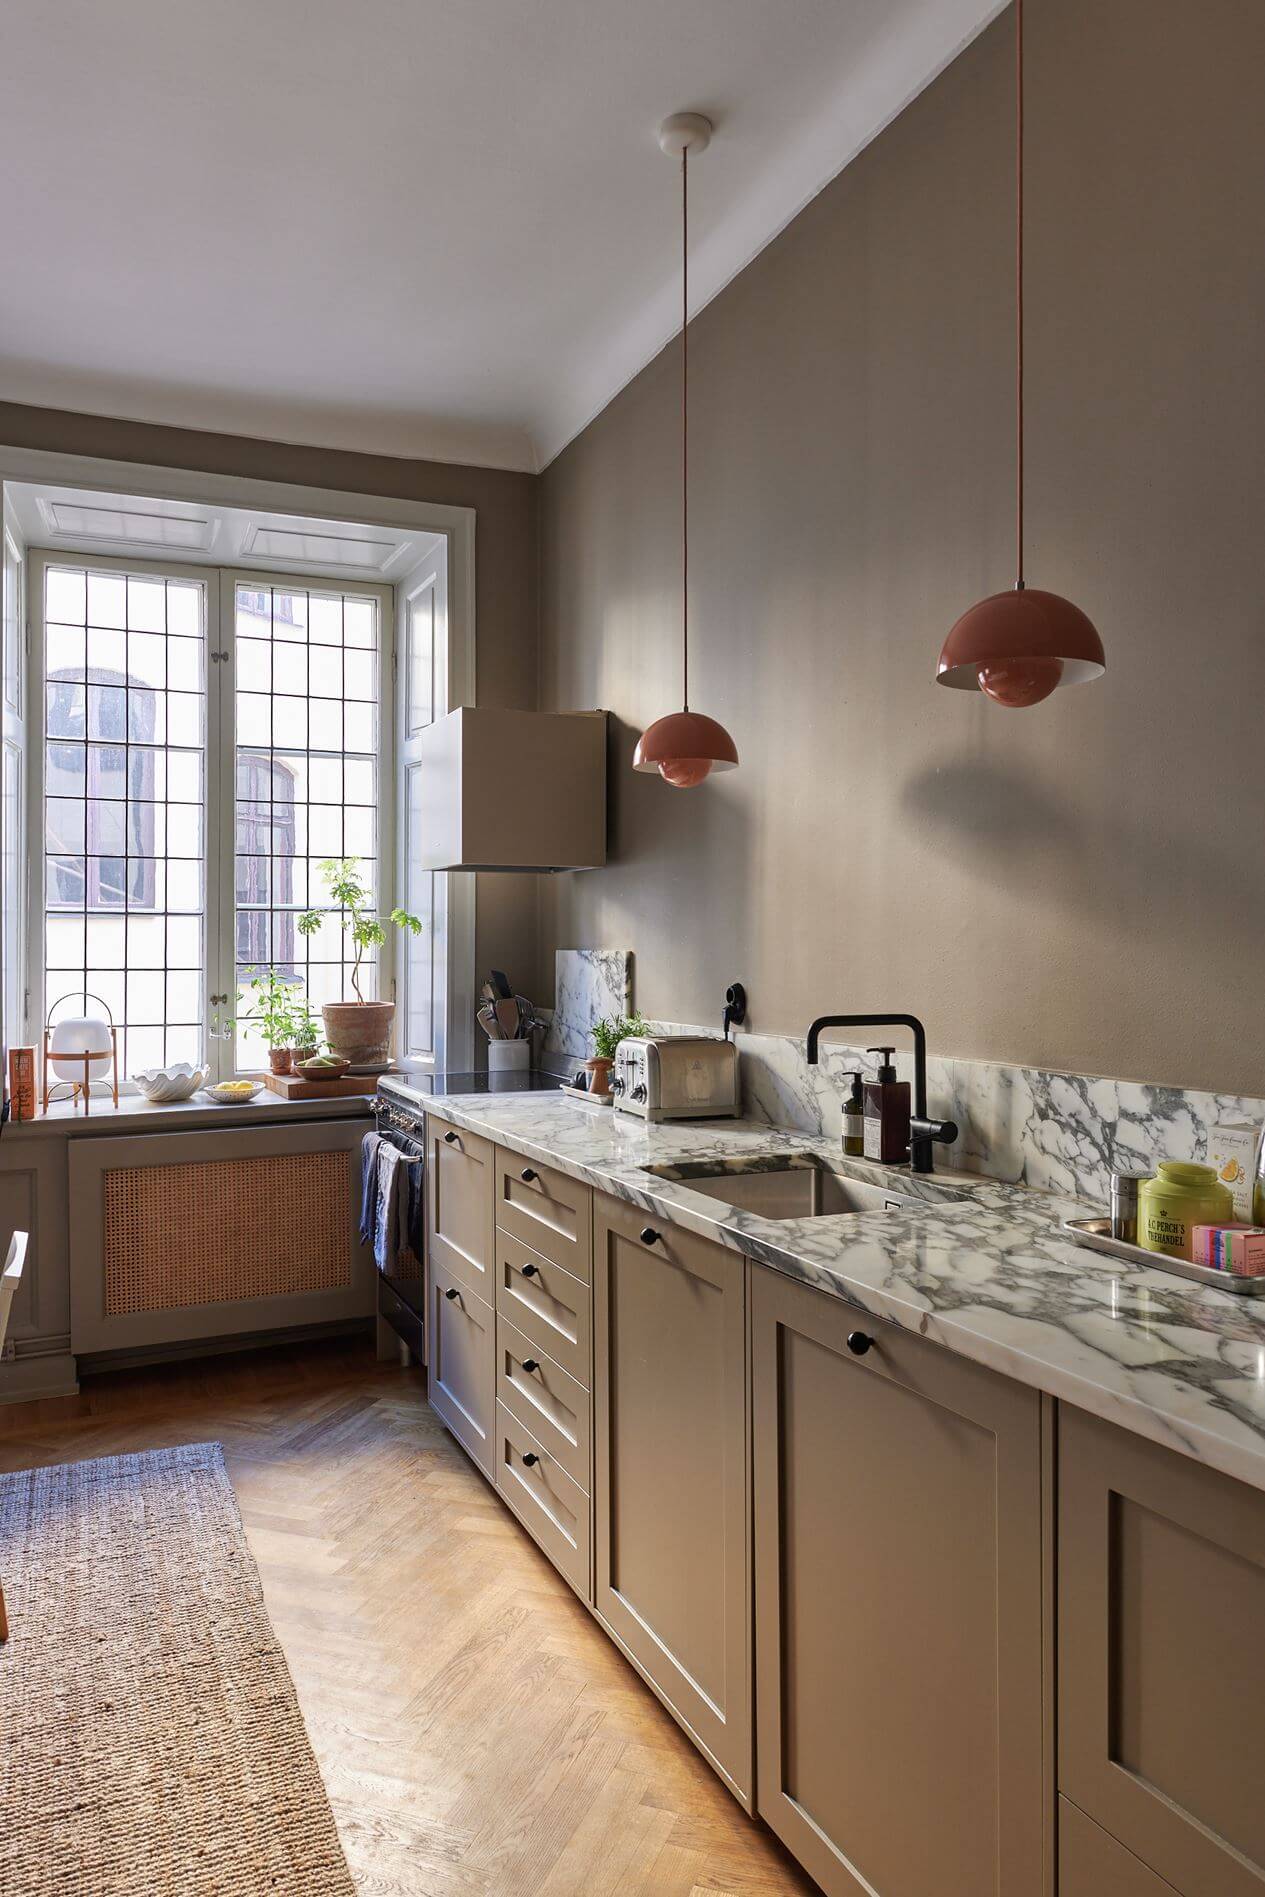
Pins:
x: 150, y: 1738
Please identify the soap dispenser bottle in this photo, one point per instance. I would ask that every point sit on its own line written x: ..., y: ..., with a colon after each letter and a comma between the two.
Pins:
x: 886, y: 1113
x: 854, y: 1119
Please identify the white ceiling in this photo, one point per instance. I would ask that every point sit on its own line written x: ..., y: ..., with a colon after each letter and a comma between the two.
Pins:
x: 417, y: 227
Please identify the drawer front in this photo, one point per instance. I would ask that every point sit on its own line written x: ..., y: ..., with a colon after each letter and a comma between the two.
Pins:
x: 462, y: 1372
x: 546, y: 1210
x: 547, y: 1401
x: 1091, y: 1863
x: 553, y: 1509
x: 550, y: 1307
x: 460, y: 1168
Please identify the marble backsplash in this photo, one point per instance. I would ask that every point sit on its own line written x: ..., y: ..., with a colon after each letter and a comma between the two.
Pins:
x: 1058, y: 1132
x: 590, y: 985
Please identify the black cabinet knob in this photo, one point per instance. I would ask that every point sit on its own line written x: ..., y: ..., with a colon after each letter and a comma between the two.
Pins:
x: 450, y: 1137
x: 530, y: 1364
x: 649, y: 1236
x: 452, y: 1292
x: 531, y: 1458
x: 527, y: 1175
x: 859, y: 1343
x: 530, y: 1271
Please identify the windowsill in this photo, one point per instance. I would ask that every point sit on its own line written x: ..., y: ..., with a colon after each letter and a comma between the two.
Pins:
x: 134, y: 1114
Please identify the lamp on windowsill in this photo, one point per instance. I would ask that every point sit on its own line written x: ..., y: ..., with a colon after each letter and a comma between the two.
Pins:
x: 79, y: 1049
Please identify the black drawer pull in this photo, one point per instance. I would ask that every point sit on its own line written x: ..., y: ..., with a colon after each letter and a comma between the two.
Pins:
x: 450, y: 1137
x: 859, y: 1343
x: 527, y: 1175
x: 530, y: 1364
x: 649, y: 1236
x: 530, y: 1271
x: 452, y: 1292
x: 531, y: 1458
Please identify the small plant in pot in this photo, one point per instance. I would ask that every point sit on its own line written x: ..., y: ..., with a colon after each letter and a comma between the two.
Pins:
x: 606, y: 1036
x: 358, y: 1031
x: 307, y: 1033
x: 272, y: 1010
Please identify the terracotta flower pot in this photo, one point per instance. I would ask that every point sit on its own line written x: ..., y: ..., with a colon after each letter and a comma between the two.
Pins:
x: 359, y: 1031
x: 279, y: 1059
x: 598, y: 1070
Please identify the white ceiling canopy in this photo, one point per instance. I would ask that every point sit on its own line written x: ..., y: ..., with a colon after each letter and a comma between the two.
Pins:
x: 434, y: 228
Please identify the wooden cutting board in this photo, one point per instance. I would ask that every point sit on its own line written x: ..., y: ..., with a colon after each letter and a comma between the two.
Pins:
x: 295, y: 1087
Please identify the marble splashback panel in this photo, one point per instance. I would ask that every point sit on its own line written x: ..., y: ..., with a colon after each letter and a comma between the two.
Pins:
x: 1058, y: 1132
x: 590, y: 985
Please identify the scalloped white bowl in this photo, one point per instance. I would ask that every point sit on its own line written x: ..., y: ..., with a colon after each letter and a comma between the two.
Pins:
x: 163, y: 1085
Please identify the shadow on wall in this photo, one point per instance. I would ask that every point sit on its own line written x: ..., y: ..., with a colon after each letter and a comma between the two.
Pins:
x: 998, y: 819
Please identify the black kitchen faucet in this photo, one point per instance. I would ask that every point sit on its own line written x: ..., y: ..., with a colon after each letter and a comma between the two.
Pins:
x: 922, y: 1131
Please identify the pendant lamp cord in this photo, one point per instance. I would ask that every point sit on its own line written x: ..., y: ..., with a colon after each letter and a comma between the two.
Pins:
x: 1018, y: 295
x: 685, y: 432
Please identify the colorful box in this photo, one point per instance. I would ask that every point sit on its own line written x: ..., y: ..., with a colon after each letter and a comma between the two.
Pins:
x: 1239, y: 1249
x: 1232, y: 1151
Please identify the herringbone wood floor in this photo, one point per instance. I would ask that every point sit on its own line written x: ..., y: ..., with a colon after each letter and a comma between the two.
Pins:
x: 479, y: 1735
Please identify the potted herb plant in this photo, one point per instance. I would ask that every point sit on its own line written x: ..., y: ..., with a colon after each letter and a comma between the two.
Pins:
x: 359, y: 1031
x: 606, y: 1036
x: 272, y: 1011
x: 307, y: 1032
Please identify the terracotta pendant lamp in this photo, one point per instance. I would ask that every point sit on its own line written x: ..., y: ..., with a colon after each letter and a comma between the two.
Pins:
x: 1019, y: 646
x: 686, y: 746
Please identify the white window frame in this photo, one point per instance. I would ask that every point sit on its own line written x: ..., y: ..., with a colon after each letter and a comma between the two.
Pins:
x: 36, y: 466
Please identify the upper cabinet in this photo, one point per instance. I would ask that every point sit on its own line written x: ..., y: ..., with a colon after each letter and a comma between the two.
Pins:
x: 513, y: 790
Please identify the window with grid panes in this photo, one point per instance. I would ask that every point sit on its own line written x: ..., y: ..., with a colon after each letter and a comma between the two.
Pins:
x: 135, y: 854
x: 124, y: 866
x: 306, y: 783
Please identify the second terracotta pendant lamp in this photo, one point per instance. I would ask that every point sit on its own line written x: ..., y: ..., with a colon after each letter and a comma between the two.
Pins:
x: 1019, y: 646
x: 686, y: 746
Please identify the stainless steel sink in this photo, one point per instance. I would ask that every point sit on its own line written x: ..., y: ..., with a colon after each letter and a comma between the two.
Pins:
x: 801, y: 1186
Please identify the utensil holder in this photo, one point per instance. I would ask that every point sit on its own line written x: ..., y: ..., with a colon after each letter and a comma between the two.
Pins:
x: 507, y: 1059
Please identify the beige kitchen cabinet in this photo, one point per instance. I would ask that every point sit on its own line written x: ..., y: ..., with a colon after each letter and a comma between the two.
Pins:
x: 550, y: 1504
x: 459, y: 1204
x: 898, y: 1605
x: 1161, y: 1668
x: 546, y: 1209
x: 461, y: 1373
x: 1092, y: 1864
x: 670, y: 1488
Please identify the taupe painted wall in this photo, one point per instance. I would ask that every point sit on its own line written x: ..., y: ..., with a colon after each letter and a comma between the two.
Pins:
x: 505, y: 578
x: 1082, y: 884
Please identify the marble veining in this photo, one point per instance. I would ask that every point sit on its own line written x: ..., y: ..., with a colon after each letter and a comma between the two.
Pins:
x: 1057, y: 1132
x: 980, y: 1268
x: 590, y: 985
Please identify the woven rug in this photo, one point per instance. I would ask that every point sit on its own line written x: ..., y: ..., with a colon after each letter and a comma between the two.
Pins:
x: 150, y: 1738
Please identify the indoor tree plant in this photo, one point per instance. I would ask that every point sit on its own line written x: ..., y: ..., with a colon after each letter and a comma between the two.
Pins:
x: 359, y: 1030
x: 606, y: 1036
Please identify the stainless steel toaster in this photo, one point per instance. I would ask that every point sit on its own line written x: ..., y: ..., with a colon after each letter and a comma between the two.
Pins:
x: 676, y: 1077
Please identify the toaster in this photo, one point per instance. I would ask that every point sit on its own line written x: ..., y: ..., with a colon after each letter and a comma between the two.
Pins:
x: 676, y: 1077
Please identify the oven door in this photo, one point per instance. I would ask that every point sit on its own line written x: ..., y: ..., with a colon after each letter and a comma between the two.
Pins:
x: 405, y: 1275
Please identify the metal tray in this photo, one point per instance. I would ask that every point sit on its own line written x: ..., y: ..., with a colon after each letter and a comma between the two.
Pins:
x: 1096, y: 1235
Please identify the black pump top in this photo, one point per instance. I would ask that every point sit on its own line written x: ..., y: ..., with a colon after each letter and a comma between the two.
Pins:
x: 856, y: 1077
x: 886, y: 1067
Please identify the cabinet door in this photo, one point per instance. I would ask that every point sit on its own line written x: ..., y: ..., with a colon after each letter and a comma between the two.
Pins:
x: 1161, y: 1673
x: 672, y: 1578
x: 553, y: 1509
x: 461, y: 1376
x: 549, y: 1211
x: 460, y: 1170
x: 551, y: 1308
x: 898, y: 1605
x: 1092, y: 1864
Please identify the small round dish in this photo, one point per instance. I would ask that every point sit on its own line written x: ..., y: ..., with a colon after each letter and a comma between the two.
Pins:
x: 328, y: 1067
x: 233, y: 1093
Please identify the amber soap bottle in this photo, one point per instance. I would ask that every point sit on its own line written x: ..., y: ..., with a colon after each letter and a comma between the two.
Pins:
x: 886, y: 1113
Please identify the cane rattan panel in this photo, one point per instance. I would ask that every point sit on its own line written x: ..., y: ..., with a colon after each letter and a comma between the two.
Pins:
x: 217, y: 1231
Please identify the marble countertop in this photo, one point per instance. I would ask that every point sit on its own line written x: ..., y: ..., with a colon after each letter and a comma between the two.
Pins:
x: 983, y: 1269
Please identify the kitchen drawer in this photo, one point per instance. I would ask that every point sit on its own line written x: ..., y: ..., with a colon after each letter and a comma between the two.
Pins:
x: 460, y: 1168
x: 552, y: 1508
x: 546, y: 1210
x: 550, y: 1307
x: 1091, y: 1863
x: 546, y: 1400
x: 462, y: 1372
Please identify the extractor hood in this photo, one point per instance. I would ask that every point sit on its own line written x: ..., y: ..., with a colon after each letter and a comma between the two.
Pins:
x: 512, y: 790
